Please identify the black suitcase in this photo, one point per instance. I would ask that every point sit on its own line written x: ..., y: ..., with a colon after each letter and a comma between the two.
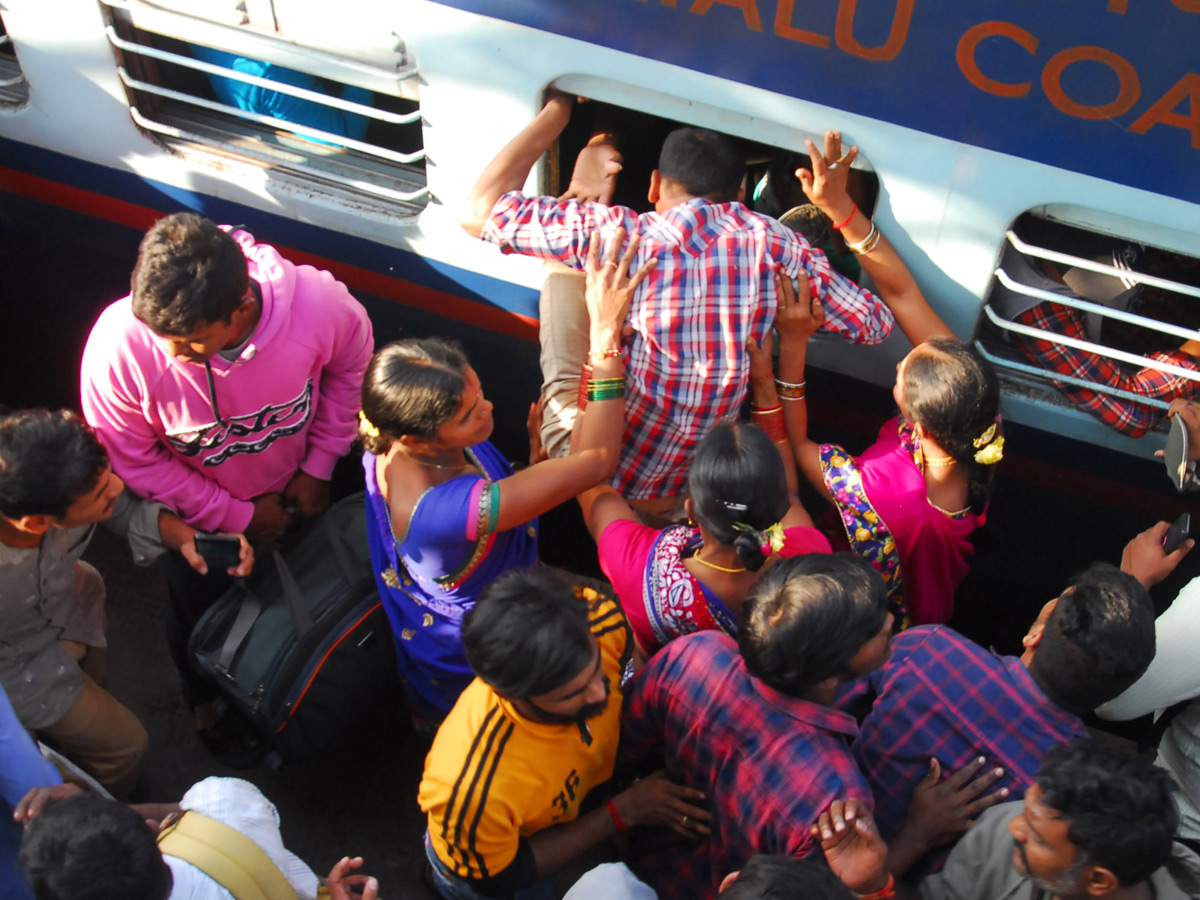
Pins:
x: 303, y: 647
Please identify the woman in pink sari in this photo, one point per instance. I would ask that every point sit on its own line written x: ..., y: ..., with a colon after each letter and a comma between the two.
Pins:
x: 909, y: 503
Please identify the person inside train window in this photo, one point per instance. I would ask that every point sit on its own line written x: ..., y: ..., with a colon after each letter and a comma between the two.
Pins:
x: 941, y: 696
x: 226, y: 385
x: 448, y: 513
x: 278, y: 105
x: 56, y: 484
x: 714, y: 287
x: 743, y: 499
x: 909, y: 503
x: 1116, y: 292
x: 534, y: 737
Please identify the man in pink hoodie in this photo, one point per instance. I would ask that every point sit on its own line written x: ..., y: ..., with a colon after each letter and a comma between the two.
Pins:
x: 226, y: 386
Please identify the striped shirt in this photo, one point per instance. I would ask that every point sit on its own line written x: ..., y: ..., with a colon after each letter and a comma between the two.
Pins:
x: 494, y: 777
x: 714, y: 286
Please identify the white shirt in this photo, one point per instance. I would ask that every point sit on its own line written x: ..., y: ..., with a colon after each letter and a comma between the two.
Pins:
x: 1174, y: 675
x: 241, y: 806
x: 610, y: 881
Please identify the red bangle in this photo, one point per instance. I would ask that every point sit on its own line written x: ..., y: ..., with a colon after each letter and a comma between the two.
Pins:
x: 612, y: 811
x: 885, y: 892
x: 842, y: 225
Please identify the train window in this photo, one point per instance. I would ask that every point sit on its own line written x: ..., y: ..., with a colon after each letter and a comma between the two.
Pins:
x: 770, y: 185
x: 252, y: 79
x: 1095, y: 314
x: 13, y: 87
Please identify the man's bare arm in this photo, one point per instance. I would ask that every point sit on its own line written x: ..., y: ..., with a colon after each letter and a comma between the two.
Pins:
x: 508, y: 171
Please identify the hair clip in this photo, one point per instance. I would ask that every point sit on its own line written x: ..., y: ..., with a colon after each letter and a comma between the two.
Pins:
x: 734, y: 507
x: 370, y: 429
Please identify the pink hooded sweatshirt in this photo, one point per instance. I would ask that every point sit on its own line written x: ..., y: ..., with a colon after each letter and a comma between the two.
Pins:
x: 206, y: 446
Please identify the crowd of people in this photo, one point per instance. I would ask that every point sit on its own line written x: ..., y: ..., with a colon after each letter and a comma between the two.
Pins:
x: 750, y: 703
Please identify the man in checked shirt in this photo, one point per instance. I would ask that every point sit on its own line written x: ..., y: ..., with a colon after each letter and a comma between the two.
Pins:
x: 713, y: 290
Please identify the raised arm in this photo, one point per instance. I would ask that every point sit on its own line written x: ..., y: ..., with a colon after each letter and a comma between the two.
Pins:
x: 765, y: 396
x: 825, y: 186
x: 596, y: 446
x: 511, y: 166
x: 797, y: 319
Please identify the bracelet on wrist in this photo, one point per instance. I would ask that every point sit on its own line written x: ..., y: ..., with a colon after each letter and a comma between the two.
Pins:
x: 788, y: 390
x: 867, y: 244
x: 616, y: 817
x: 846, y: 221
x: 884, y: 893
x: 770, y: 421
x: 767, y: 411
x: 610, y: 353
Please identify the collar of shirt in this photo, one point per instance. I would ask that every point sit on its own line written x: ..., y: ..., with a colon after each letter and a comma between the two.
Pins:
x: 815, y: 714
x: 1034, y: 694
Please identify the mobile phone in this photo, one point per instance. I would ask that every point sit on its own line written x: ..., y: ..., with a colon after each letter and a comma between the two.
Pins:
x: 1175, y: 454
x: 1177, y: 532
x: 219, y: 551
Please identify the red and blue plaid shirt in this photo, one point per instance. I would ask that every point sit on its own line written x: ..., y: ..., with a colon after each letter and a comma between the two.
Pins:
x: 714, y: 286
x: 770, y: 764
x: 941, y: 695
x: 1133, y: 419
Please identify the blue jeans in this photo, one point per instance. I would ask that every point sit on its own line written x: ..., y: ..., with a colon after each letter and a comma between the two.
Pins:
x: 451, y: 887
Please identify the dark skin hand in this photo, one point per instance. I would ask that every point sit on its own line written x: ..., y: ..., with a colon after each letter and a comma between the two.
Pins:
x: 307, y: 494
x: 270, y: 521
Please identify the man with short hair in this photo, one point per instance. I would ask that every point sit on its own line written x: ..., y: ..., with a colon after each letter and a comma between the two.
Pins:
x: 1096, y: 823
x: 714, y: 286
x: 530, y: 738
x: 85, y: 847
x: 226, y: 385
x: 750, y: 723
x: 942, y: 700
x: 55, y: 485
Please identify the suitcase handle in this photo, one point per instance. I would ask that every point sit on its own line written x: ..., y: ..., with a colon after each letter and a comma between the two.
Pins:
x: 251, y: 608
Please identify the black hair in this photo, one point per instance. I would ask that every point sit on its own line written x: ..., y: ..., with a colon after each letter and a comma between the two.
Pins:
x: 808, y: 617
x: 189, y: 274
x: 411, y: 387
x: 47, y: 461
x: 1153, y: 303
x: 704, y: 163
x: 785, y: 878
x: 528, y: 634
x: 88, y: 848
x: 954, y: 395
x: 1097, y: 641
x: 809, y: 222
x: 737, y: 478
x: 1120, y: 812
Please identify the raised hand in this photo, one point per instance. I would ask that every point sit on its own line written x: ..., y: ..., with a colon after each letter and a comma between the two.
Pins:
x: 799, y: 314
x: 852, y: 845
x: 825, y: 183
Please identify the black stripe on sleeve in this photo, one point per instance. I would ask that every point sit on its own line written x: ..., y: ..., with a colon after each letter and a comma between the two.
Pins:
x: 446, y: 816
x: 495, y: 729
x: 483, y: 796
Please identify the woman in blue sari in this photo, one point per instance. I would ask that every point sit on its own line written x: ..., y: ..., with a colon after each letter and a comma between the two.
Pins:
x: 447, y: 514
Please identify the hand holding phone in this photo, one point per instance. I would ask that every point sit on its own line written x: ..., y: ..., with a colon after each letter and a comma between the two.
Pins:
x: 1177, y: 533
x: 219, y: 551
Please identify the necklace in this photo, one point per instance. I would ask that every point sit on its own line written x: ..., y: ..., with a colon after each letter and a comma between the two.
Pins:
x: 940, y: 461
x: 433, y: 465
x: 704, y: 562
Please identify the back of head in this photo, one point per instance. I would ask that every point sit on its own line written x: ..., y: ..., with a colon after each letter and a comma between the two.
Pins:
x: 528, y: 634
x: 738, y: 488
x: 704, y: 163
x: 954, y: 395
x: 89, y: 848
x: 809, y: 222
x: 786, y: 878
x: 47, y: 460
x: 411, y: 387
x: 1121, y: 812
x: 808, y: 617
x: 1097, y: 641
x: 189, y: 274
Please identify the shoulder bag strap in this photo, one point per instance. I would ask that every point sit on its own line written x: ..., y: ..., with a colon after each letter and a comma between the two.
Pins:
x: 226, y: 856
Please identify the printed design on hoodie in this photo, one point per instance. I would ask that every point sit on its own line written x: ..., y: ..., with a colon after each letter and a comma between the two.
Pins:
x: 251, y: 433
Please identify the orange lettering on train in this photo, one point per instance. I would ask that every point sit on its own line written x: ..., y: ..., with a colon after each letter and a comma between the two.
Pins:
x: 785, y: 29
x: 844, y: 32
x: 1128, y: 94
x: 1188, y: 5
x: 1120, y: 7
x: 966, y: 56
x: 749, y: 9
x: 1163, y: 112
